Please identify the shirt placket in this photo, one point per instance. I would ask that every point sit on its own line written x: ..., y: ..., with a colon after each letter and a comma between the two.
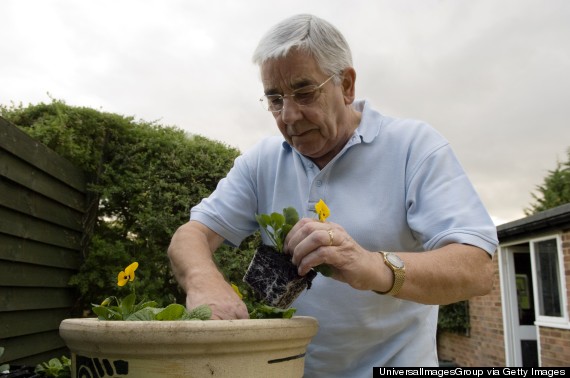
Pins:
x: 319, y: 179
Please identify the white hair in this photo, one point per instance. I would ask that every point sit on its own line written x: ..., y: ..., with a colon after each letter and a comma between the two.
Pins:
x: 307, y: 33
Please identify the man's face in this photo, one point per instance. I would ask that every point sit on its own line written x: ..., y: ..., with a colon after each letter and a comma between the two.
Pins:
x: 319, y: 130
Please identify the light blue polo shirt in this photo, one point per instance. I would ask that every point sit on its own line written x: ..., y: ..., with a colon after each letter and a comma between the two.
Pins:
x: 396, y: 186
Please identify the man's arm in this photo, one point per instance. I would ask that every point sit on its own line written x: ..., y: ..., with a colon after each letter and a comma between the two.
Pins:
x: 446, y: 275
x: 191, y: 256
x: 449, y: 274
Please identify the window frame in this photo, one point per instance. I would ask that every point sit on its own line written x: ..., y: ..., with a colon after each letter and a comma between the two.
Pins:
x: 563, y: 320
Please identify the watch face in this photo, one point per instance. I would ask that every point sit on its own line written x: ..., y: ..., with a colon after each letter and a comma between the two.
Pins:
x: 395, y: 260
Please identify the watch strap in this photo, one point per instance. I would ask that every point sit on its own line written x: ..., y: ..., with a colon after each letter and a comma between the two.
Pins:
x: 399, y: 276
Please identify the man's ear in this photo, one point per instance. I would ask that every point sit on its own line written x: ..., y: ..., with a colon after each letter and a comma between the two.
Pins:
x: 348, y: 85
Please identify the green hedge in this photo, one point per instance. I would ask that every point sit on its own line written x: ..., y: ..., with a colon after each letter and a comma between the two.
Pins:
x: 144, y: 178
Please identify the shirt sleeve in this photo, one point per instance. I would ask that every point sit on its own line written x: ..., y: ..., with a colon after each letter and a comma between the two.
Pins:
x: 230, y: 209
x: 443, y: 207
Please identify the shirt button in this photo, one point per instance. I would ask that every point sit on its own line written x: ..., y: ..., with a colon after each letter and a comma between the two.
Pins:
x: 319, y: 183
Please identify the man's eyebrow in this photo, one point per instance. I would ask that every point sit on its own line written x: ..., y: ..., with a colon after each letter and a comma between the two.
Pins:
x: 304, y: 82
x: 271, y: 91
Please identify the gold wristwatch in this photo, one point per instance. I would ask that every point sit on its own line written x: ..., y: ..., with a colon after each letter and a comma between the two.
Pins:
x: 398, y: 268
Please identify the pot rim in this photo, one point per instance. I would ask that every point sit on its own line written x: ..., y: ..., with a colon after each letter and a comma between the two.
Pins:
x: 191, y: 336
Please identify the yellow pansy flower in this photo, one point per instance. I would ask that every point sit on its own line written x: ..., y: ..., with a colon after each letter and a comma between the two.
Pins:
x: 322, y: 210
x: 128, y: 274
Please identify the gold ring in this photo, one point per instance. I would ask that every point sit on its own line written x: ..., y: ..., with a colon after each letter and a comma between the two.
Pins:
x: 331, y: 237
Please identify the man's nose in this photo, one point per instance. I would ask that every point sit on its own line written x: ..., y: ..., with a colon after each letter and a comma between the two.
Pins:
x: 291, y: 111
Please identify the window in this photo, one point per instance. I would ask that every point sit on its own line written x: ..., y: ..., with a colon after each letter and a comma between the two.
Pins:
x: 549, y: 280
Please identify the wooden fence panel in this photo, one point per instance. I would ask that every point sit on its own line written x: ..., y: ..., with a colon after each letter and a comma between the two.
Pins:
x: 42, y: 210
x: 12, y: 249
x: 26, y: 346
x: 15, y: 323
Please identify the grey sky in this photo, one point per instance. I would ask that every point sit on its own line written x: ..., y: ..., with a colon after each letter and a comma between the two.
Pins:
x: 492, y: 76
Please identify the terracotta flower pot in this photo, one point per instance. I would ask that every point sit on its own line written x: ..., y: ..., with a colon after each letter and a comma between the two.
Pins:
x: 274, y: 277
x: 219, y: 348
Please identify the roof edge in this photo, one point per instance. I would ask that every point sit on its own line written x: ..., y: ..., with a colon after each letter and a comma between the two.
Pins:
x: 550, y: 218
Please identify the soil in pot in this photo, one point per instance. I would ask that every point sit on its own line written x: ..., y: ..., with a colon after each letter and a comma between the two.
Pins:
x: 274, y: 278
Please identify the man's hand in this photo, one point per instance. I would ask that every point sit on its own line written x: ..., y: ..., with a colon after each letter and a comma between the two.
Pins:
x: 312, y: 243
x: 221, y: 298
x: 190, y: 253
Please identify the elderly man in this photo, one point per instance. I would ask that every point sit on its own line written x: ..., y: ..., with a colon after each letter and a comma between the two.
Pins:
x: 407, y: 230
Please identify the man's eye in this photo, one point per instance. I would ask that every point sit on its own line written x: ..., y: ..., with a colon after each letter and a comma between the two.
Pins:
x: 275, y: 100
x: 304, y: 96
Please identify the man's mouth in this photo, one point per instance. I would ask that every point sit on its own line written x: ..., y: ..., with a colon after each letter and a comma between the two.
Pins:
x: 302, y: 133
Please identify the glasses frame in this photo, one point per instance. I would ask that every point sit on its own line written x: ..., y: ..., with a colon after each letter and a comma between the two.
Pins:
x: 292, y: 95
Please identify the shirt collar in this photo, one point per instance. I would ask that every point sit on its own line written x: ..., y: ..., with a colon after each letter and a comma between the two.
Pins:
x: 370, y: 123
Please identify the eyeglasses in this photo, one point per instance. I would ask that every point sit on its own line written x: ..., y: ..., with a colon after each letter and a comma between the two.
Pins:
x: 302, y: 96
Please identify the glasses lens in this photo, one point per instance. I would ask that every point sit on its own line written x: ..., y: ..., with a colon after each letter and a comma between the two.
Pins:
x: 273, y: 103
x: 305, y: 96
x: 302, y: 96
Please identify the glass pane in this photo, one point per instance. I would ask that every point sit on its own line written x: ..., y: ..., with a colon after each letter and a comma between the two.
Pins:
x: 529, y: 351
x: 549, y: 280
x: 523, y: 281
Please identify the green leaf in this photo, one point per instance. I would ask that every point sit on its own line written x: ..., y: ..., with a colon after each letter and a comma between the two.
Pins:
x: 39, y: 368
x: 263, y: 219
x: 146, y: 313
x: 277, y: 226
x: 107, y: 313
x: 55, y: 368
x: 142, y: 305
x: 291, y: 216
x: 202, y: 312
x: 55, y: 363
x: 127, y: 305
x: 285, y: 230
x: 277, y: 221
x: 173, y: 311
